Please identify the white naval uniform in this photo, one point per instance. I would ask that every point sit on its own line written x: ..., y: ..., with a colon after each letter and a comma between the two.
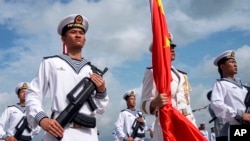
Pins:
x: 10, y: 118
x: 123, y: 125
x: 205, y: 134
x: 227, y: 101
x: 114, y: 134
x: 57, y: 76
x: 183, y: 98
x: 219, y: 123
x: 178, y: 100
x: 212, y: 136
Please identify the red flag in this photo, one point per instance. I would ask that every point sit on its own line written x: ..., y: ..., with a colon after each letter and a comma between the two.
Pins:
x: 175, y: 126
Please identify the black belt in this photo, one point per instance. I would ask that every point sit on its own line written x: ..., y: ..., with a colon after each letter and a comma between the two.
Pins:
x: 24, y: 138
x: 138, y: 135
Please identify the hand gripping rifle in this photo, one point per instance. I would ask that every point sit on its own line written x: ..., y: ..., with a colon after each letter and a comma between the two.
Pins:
x: 136, y: 125
x: 88, y: 87
x: 21, y: 126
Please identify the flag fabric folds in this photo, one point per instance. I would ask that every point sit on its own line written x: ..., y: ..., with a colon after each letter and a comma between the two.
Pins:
x: 175, y: 126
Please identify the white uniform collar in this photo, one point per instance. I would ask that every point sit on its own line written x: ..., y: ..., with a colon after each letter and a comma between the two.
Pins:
x: 237, y: 81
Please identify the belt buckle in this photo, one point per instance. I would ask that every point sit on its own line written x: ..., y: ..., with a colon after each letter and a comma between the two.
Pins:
x: 184, y: 112
x: 75, y: 125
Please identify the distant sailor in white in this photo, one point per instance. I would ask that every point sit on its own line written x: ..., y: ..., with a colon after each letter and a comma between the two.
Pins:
x: 127, y: 120
x: 13, y: 118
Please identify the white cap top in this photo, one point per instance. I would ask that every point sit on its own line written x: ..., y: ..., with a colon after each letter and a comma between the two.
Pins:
x: 22, y: 85
x: 229, y: 54
x: 128, y: 94
x: 73, y: 21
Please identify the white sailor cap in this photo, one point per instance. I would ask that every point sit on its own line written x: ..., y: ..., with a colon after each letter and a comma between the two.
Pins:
x: 172, y: 45
x: 20, y: 86
x: 73, y: 21
x: 203, y: 123
x: 128, y: 94
x: 224, y: 56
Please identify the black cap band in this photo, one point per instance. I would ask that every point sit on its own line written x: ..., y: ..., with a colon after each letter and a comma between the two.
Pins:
x: 223, y: 60
x: 70, y: 26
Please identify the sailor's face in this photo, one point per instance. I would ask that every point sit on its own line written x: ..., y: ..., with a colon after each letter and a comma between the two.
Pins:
x: 74, y: 38
x: 172, y: 51
x: 230, y: 67
x: 21, y: 94
x: 131, y: 101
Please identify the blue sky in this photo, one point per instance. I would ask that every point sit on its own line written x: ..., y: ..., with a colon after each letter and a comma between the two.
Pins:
x: 118, y: 38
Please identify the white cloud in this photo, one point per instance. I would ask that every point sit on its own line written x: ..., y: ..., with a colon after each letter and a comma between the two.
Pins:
x: 191, y: 20
x: 243, y: 59
x: 198, y: 100
x: 8, y: 99
x: 119, y: 32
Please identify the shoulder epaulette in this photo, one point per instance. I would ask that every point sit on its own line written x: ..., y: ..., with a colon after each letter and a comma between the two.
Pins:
x: 11, y: 105
x: 219, y: 79
x: 123, y: 110
x: 149, y: 68
x: 181, y: 71
x: 47, y: 57
x: 247, y: 87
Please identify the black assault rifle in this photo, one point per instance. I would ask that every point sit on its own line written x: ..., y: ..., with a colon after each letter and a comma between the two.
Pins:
x: 136, y: 126
x: 75, y: 103
x: 20, y: 127
x: 247, y: 104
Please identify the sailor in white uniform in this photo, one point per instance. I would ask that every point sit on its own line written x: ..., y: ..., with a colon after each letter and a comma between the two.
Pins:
x: 114, y: 134
x: 204, y: 131
x: 228, y: 94
x: 212, y: 134
x: 218, y: 122
x: 180, y: 88
x: 57, y: 76
x: 125, y: 124
x: 14, y: 117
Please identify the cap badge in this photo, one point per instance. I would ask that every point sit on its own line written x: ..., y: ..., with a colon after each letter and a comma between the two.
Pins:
x: 78, y: 19
x: 25, y: 86
x: 132, y: 93
x: 232, y: 54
